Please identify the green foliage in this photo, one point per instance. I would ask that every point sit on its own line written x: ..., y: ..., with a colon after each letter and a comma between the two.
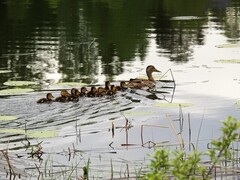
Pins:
x: 177, y: 164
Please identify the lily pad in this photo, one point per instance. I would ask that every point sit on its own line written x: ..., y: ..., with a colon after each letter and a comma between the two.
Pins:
x: 228, y: 61
x: 15, y: 91
x: 32, y: 134
x: 42, y: 134
x: 228, y: 46
x: 71, y: 84
x: 7, y: 118
x: 4, y: 71
x: 20, y: 83
x: 137, y: 113
x: 171, y: 105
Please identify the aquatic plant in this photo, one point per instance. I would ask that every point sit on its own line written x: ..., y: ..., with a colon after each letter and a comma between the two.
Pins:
x: 177, y: 164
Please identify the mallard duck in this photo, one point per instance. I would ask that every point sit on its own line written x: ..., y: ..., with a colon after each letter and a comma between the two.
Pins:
x: 100, y: 92
x: 122, y: 86
x: 92, y: 92
x: 48, y: 99
x: 139, y: 83
x: 112, y: 90
x: 64, y: 96
x: 83, y: 91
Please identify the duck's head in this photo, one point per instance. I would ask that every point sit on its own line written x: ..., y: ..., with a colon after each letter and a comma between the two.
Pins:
x: 149, y: 70
x: 49, y: 96
x: 83, y: 90
x: 65, y: 93
x: 107, y: 85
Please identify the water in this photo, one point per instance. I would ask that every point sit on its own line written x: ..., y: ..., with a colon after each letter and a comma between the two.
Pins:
x: 93, y: 41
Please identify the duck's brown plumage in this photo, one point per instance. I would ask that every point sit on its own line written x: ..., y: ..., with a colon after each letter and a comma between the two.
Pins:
x: 64, y: 96
x: 122, y: 86
x: 83, y: 92
x: 92, y: 92
x: 100, y: 92
x: 74, y: 95
x: 112, y: 90
x: 48, y: 99
x: 139, y: 83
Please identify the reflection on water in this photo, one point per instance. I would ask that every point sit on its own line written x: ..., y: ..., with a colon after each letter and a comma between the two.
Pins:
x: 90, y: 41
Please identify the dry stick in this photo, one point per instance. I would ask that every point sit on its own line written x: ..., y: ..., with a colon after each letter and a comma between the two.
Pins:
x: 199, y: 131
x: 175, y: 132
x: 189, y: 132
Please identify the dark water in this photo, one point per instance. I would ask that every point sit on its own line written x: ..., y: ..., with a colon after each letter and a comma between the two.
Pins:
x: 92, y: 41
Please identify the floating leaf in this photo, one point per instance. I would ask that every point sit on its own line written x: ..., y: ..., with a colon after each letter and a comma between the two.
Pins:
x: 12, y: 131
x: 32, y: 134
x: 42, y: 134
x: 228, y: 46
x: 171, y: 105
x: 7, y: 118
x: 71, y: 84
x: 4, y: 71
x: 14, y: 91
x: 228, y: 61
x: 184, y: 18
x: 20, y: 83
x: 137, y: 113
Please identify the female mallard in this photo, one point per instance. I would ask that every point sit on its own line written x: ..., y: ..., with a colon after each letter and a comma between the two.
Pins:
x: 64, y: 96
x: 83, y: 92
x: 48, y: 99
x: 92, y: 92
x: 122, y: 86
x: 139, y: 83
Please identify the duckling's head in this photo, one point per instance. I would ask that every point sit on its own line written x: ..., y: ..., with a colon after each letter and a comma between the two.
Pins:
x: 113, y: 88
x: 73, y: 91
x: 107, y: 85
x: 101, y: 90
x: 93, y: 89
x: 65, y: 93
x: 123, y: 84
x: 83, y: 90
x: 49, y: 96
x: 77, y: 93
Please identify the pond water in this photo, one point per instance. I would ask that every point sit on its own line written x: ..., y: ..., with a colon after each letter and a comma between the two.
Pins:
x: 53, y: 42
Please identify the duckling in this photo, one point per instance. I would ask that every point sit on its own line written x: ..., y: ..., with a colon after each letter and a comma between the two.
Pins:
x: 83, y: 92
x: 112, y: 90
x: 74, y: 95
x: 122, y: 87
x: 107, y: 85
x: 92, y: 92
x: 48, y: 99
x: 64, y: 96
x: 100, y: 92
x: 139, y: 83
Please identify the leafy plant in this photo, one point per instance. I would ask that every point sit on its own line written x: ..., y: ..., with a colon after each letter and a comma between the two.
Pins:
x: 177, y: 164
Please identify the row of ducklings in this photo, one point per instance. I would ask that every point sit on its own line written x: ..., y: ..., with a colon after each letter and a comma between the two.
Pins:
x: 75, y: 94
